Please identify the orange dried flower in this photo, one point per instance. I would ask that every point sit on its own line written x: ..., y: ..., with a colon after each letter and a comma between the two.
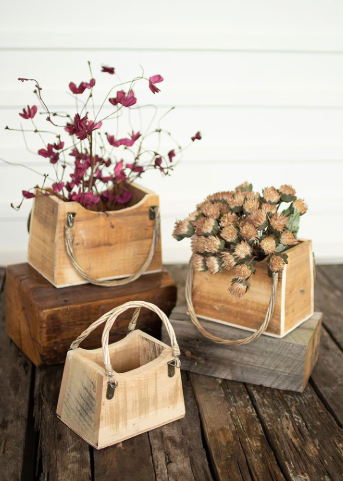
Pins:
x: 237, y: 200
x: 270, y: 194
x: 268, y: 208
x: 278, y: 221
x: 237, y: 290
x: 242, y: 250
x: 250, y: 205
x: 228, y: 219
x: 242, y: 272
x: 229, y: 233
x: 276, y: 263
x: 287, y: 190
x: 205, y: 225
x: 300, y: 206
x: 193, y: 216
x: 268, y: 245
x: 210, y: 210
x: 182, y: 229
x: 198, y: 263
x: 242, y: 186
x: 248, y: 231
x: 257, y: 218
x: 220, y: 196
x: 252, y: 195
x: 213, y: 244
x: 288, y: 239
x: 228, y: 261
x: 213, y: 264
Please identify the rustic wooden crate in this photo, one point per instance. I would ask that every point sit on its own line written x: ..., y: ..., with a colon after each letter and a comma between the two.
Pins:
x: 294, y: 302
x: 148, y: 393
x: 43, y: 321
x: 106, y: 244
x: 284, y: 363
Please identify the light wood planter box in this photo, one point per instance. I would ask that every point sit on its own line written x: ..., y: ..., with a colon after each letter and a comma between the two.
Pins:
x: 294, y: 301
x: 146, y: 397
x: 106, y: 244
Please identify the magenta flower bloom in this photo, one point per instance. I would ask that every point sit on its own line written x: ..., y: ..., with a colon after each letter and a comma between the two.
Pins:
x: 58, y: 146
x: 119, y: 172
x: 78, y: 90
x: 29, y: 113
x: 108, y: 196
x: 87, y: 199
x: 135, y: 168
x: 112, y: 141
x: 171, y: 155
x: 197, y: 136
x: 27, y: 194
x: 158, y: 161
x: 88, y: 129
x: 91, y: 83
x: 124, y: 197
x: 155, y: 79
x: 130, y: 142
x: 57, y: 187
x: 46, y: 153
x: 123, y: 99
x: 106, y: 69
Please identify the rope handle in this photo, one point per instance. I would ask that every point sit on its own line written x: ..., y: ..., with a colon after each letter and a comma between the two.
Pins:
x: 219, y: 340
x: 111, y: 316
x: 69, y: 240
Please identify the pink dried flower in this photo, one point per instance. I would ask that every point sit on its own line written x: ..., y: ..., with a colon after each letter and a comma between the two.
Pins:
x: 78, y: 90
x: 124, y: 197
x: 171, y: 155
x: 109, y: 70
x: 87, y: 199
x: 155, y: 79
x: 123, y: 99
x: 29, y: 113
x: 197, y: 136
x: 27, y: 194
x: 88, y: 129
x: 135, y: 168
x: 57, y: 187
x: 119, y: 172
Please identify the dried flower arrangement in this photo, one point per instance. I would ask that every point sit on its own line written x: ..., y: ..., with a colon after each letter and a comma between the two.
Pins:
x: 236, y: 229
x: 98, y: 177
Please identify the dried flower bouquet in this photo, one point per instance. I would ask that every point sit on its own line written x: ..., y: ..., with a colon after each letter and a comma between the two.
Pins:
x: 236, y: 229
x: 88, y: 164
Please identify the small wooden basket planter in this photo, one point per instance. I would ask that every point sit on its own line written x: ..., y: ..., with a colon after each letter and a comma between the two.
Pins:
x: 70, y: 245
x: 294, y: 297
x: 130, y: 387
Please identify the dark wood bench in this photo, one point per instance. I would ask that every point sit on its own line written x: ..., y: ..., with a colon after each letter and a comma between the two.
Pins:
x: 232, y: 431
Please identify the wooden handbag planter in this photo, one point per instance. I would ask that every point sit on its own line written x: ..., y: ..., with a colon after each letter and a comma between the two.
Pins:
x: 70, y: 245
x: 130, y: 387
x: 294, y: 296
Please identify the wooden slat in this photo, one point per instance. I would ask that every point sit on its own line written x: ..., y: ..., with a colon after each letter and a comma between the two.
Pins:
x: 63, y: 455
x: 125, y: 461
x: 234, y: 435
x: 335, y: 273
x: 177, y: 448
x: 327, y: 376
x: 305, y: 438
x: 329, y: 300
x: 15, y: 375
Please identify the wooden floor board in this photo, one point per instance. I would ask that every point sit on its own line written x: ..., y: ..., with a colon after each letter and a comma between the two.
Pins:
x: 15, y: 375
x: 305, y: 438
x: 334, y: 273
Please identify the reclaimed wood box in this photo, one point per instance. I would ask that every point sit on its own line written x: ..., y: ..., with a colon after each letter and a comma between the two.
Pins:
x: 43, y: 321
x: 294, y: 299
x: 280, y: 363
x: 107, y: 245
x: 139, y: 389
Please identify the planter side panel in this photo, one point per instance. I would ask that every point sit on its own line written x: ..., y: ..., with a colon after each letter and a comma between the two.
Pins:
x: 212, y: 300
x: 43, y: 233
x: 299, y: 285
x: 107, y: 245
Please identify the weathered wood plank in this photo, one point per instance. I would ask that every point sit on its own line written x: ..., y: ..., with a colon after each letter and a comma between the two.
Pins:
x: 335, y: 273
x: 125, y: 461
x: 178, y: 273
x: 329, y: 300
x: 327, y: 376
x: 304, y: 436
x: 15, y: 375
x: 280, y: 363
x: 63, y: 454
x: 177, y: 448
x: 234, y: 435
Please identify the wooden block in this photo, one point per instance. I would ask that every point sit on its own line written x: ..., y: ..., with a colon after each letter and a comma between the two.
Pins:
x: 106, y: 244
x: 146, y: 396
x: 294, y: 302
x: 43, y: 321
x: 284, y: 363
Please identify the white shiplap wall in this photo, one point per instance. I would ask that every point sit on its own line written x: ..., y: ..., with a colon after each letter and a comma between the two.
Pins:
x: 263, y: 81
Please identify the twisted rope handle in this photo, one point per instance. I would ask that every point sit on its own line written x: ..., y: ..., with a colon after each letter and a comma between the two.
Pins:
x: 111, y: 316
x: 69, y: 240
x: 219, y: 340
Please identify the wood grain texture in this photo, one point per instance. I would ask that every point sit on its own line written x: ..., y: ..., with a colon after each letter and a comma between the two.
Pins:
x: 280, y: 363
x: 329, y: 299
x: 43, y: 321
x: 106, y: 244
x: 145, y: 398
x: 294, y: 299
x: 62, y: 454
x: 303, y: 435
x: 15, y: 375
x: 235, y: 439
